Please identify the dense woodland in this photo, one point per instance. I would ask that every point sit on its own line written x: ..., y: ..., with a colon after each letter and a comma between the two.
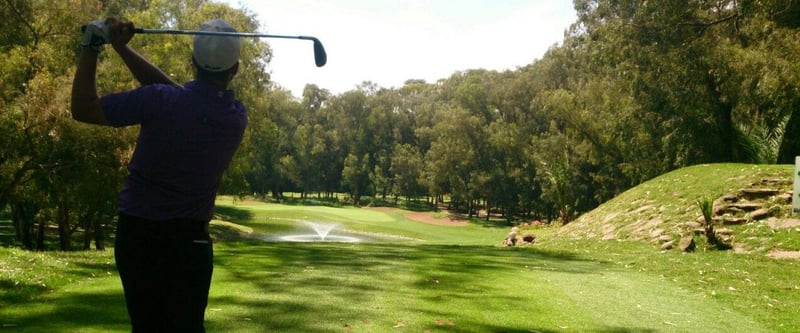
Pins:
x: 635, y: 89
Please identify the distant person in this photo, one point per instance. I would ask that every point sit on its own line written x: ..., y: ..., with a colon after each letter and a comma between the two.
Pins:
x: 188, y: 135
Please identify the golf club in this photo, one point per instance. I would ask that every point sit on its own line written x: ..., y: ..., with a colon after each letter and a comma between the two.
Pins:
x: 320, y: 57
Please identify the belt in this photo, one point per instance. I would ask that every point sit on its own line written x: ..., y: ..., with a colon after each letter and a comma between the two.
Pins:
x: 173, y: 225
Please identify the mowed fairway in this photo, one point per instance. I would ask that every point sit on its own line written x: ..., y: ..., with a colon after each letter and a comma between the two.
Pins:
x: 434, y: 279
x: 445, y: 288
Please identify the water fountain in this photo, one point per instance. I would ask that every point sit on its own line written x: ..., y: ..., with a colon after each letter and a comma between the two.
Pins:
x: 322, y: 233
x: 322, y: 230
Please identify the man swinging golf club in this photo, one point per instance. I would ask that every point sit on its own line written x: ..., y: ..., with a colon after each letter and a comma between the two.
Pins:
x: 188, y: 135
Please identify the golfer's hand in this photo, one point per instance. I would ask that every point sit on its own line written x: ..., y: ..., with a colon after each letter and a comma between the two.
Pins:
x: 121, y: 32
x: 95, y: 34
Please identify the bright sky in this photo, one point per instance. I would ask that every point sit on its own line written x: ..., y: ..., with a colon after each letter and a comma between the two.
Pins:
x: 390, y: 41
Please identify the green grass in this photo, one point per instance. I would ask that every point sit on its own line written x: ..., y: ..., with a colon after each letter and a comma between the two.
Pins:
x: 670, y: 200
x: 444, y: 278
x: 386, y: 287
x: 383, y: 287
x: 55, y: 291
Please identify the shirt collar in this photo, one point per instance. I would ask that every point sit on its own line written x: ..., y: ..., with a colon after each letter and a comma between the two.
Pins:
x: 208, y: 89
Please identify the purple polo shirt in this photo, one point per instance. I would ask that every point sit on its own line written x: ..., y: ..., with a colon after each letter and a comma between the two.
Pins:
x: 187, y: 139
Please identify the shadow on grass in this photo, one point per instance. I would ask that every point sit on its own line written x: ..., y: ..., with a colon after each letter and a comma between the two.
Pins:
x: 330, y: 287
x: 69, y: 312
x: 230, y: 213
x: 335, y: 283
x: 12, y: 291
x: 490, y: 328
x: 472, y: 259
x: 626, y: 330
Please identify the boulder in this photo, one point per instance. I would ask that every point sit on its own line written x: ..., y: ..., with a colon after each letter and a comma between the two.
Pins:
x: 719, y: 208
x: 747, y: 206
x: 528, y: 238
x: 732, y: 220
x: 784, y: 198
x: 723, y: 231
x: 656, y: 232
x: 694, y: 225
x: 758, y: 193
x: 687, y: 244
x: 668, y: 245
x: 759, y: 214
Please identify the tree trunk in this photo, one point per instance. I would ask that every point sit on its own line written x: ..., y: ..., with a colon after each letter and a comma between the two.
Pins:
x: 725, y: 150
x: 99, y: 235
x: 64, y: 234
x: 22, y: 215
x: 87, y: 234
x: 488, y: 210
x: 40, y: 235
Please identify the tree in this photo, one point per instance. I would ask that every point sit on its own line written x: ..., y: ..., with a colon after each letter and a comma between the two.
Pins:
x: 407, y: 166
x: 454, y: 155
x: 355, y: 176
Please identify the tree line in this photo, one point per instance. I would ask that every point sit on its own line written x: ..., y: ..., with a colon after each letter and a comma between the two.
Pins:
x: 635, y: 89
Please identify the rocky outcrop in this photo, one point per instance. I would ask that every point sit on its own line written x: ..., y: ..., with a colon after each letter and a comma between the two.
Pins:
x: 766, y: 200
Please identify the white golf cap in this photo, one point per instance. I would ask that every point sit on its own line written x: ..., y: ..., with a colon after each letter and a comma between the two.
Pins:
x: 216, y: 53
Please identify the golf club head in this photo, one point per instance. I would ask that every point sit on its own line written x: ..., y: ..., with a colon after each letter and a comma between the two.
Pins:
x: 320, y: 57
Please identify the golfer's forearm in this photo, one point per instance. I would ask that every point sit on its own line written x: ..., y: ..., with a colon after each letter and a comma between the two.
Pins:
x: 144, y: 72
x: 85, y: 104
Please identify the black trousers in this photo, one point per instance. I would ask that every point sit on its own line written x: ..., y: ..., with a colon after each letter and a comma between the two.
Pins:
x: 165, y: 268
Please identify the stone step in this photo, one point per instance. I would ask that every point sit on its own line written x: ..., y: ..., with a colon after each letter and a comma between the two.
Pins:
x: 758, y: 193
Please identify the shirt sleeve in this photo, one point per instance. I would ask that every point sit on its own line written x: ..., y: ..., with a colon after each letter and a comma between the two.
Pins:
x: 132, y: 107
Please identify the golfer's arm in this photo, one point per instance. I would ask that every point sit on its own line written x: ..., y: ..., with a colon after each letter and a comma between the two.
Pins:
x: 85, y: 104
x: 144, y: 72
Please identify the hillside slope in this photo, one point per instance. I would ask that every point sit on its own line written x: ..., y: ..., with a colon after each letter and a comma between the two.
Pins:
x: 666, y: 208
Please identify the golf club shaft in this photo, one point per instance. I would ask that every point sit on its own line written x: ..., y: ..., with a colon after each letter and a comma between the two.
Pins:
x: 320, y: 56
x: 217, y: 33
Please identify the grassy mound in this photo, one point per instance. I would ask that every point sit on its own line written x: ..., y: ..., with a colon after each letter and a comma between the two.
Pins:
x: 666, y: 206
